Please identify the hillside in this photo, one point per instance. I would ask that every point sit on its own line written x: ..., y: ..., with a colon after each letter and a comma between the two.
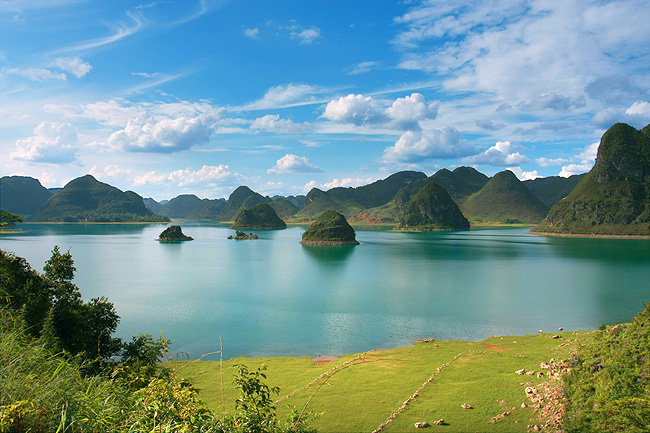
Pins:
x: 462, y: 182
x: 260, y: 216
x: 86, y: 199
x: 432, y: 209
x: 207, y: 209
x: 550, y: 190
x: 22, y: 195
x: 180, y: 206
x: 614, y: 197
x: 330, y: 228
x: 241, y: 198
x: 351, y: 202
x: 284, y: 207
x: 504, y: 199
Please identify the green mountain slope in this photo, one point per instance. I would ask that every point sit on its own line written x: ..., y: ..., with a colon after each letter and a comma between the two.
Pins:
x: 260, y: 216
x: 22, y: 195
x: 550, y: 190
x: 180, y: 206
x: 461, y: 182
x: 207, y: 209
x: 432, y: 209
x: 284, y: 207
x: 241, y: 198
x: 86, y: 199
x: 318, y: 201
x: 330, y: 228
x: 504, y: 199
x: 614, y: 197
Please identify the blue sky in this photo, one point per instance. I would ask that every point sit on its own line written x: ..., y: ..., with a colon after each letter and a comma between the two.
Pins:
x: 165, y: 97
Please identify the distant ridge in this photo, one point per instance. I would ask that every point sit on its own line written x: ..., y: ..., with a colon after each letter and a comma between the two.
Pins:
x: 241, y: 198
x: 614, y: 197
x: 550, y: 190
x: 22, y: 195
x: 462, y: 182
x: 260, y: 216
x: 504, y: 199
x: 432, y: 209
x: 86, y: 199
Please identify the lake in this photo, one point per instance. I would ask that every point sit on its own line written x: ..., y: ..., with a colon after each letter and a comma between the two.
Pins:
x: 274, y: 296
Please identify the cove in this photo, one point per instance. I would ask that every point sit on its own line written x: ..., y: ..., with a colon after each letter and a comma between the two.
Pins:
x: 274, y: 296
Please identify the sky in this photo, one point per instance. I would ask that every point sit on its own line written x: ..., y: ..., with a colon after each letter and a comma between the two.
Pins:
x: 169, y: 97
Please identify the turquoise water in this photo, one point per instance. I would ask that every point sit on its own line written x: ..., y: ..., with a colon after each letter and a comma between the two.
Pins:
x: 273, y: 296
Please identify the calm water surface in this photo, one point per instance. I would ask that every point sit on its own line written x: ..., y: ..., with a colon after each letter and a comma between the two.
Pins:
x: 274, y: 296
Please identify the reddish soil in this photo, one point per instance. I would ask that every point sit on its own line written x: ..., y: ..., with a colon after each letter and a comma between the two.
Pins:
x: 489, y: 346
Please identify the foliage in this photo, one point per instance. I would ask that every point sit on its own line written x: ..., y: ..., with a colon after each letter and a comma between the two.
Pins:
x: 462, y: 182
x: 261, y: 216
x: 614, y: 197
x: 329, y: 226
x: 503, y: 198
x: 9, y: 219
x: 432, y: 208
x: 173, y: 233
x: 241, y: 198
x: 551, y: 189
x: 22, y: 195
x: 86, y: 199
x: 608, y: 387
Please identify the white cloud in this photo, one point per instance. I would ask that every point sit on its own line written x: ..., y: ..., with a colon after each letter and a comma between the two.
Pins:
x: 355, y: 109
x: 253, y: 33
x: 639, y: 108
x: 582, y: 162
x: 552, y: 101
x: 408, y: 111
x: 489, y: 125
x: 572, y: 169
x: 416, y: 146
x: 273, y: 123
x: 293, y: 164
x: 363, y: 68
x: 109, y: 170
x: 306, y: 36
x: 165, y: 136
x: 52, y: 142
x: 208, y: 174
x: 35, y: 74
x: 74, y: 65
x: 549, y: 162
x: 285, y: 96
x: 346, y: 182
x: 524, y: 175
x: 499, y: 154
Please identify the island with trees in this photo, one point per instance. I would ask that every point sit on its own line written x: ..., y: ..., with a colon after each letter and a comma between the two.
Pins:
x: 260, y: 216
x: 330, y: 228
x: 173, y: 234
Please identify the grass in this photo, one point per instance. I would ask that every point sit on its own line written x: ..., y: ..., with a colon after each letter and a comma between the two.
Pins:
x: 359, y: 392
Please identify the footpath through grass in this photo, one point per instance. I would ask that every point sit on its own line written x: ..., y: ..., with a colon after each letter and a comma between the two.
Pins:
x: 360, y: 392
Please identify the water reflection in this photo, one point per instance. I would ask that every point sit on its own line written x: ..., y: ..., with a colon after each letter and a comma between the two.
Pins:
x: 329, y: 254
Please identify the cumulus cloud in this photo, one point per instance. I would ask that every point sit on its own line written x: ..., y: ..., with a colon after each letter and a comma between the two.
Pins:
x: 404, y: 113
x: 355, y: 109
x: 552, y: 101
x: 74, y: 65
x: 253, y: 33
x: 273, y: 123
x: 165, y: 136
x: 109, y: 171
x: 52, y: 142
x: 499, y: 154
x: 524, y: 175
x: 35, y: 74
x: 293, y: 164
x: 639, y: 108
x: 208, y: 174
x: 417, y: 146
x: 582, y: 162
x: 637, y: 115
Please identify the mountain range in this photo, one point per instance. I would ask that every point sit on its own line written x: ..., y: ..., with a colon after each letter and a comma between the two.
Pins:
x: 613, y: 194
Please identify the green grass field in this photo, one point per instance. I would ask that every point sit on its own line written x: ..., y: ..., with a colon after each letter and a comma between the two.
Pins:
x: 359, y: 392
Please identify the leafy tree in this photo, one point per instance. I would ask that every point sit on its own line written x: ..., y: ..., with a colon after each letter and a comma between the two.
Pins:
x: 11, y: 218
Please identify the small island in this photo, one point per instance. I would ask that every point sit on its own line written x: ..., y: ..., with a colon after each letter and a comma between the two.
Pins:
x: 242, y: 236
x: 261, y: 216
x: 330, y: 228
x: 432, y: 209
x: 173, y: 234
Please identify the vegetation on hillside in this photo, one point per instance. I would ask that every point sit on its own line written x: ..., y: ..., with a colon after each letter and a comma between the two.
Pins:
x: 614, y: 197
x: 179, y: 206
x: 461, y: 182
x: 241, y: 198
x: 504, y: 199
x: 432, y: 209
x: 550, y: 190
x: 86, y: 199
x: 330, y: 228
x: 261, y: 216
x: 608, y: 387
x: 173, y: 234
x: 22, y: 195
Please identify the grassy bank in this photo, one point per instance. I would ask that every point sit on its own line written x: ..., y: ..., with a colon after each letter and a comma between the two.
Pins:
x: 359, y: 392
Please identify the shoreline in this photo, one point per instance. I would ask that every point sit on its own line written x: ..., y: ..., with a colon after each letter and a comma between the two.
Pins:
x: 588, y: 236
x: 328, y: 243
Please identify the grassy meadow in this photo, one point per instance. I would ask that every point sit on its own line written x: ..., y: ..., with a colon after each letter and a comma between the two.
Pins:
x: 359, y: 392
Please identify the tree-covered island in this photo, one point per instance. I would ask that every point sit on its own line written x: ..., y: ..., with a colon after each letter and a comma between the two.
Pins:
x: 330, y: 228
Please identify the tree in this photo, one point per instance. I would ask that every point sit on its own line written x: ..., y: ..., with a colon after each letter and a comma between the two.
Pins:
x: 11, y: 218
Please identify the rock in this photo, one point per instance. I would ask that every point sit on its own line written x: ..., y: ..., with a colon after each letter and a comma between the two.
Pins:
x: 173, y: 234
x: 439, y: 422
x: 522, y: 371
x: 530, y: 373
x: 536, y: 427
x: 524, y: 405
x: 540, y: 375
x: 421, y: 424
x: 466, y: 406
x: 540, y: 331
x: 560, y: 329
x: 556, y: 336
x: 544, y: 366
